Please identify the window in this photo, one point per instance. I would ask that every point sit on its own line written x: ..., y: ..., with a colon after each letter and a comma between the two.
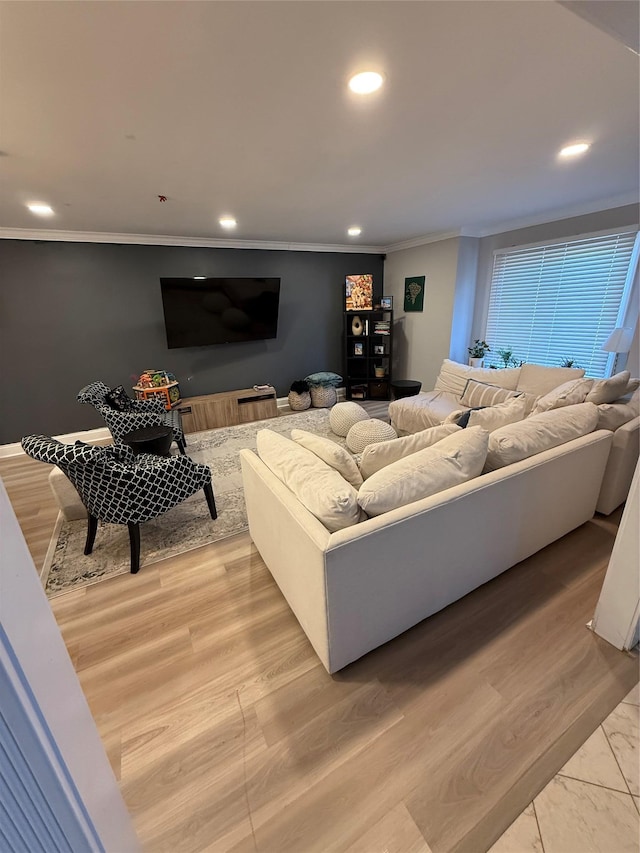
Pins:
x: 561, y: 301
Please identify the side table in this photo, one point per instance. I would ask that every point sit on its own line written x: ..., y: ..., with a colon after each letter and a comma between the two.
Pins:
x: 151, y: 439
x: 405, y: 388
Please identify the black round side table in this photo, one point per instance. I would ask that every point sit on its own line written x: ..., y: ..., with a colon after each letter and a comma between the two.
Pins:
x: 151, y: 439
x: 405, y: 388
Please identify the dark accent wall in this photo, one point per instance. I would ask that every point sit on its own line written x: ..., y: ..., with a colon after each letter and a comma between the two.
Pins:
x: 71, y: 313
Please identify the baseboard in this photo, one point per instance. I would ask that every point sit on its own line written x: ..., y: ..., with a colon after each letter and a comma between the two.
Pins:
x: 89, y: 435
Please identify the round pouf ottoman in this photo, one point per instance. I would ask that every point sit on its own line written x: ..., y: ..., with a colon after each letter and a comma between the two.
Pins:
x: 344, y: 415
x: 368, y: 432
x: 323, y: 396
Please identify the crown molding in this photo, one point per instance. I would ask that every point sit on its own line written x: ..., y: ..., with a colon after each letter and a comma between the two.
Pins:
x: 421, y: 241
x: 552, y: 216
x: 168, y: 240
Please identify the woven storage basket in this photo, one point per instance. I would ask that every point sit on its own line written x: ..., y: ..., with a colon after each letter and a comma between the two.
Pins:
x: 322, y: 397
x: 299, y: 402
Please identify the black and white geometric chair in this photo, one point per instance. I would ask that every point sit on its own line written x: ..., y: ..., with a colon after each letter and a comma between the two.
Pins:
x: 118, y: 487
x: 123, y: 415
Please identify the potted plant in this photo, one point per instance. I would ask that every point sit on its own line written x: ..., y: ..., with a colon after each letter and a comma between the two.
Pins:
x: 477, y: 352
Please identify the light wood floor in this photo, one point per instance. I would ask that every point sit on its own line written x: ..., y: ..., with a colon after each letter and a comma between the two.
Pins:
x: 227, y: 734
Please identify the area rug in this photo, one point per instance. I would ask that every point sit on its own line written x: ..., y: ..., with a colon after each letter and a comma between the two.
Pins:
x: 184, y: 527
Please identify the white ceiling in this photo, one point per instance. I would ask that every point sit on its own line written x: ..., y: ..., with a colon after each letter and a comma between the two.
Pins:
x: 242, y: 108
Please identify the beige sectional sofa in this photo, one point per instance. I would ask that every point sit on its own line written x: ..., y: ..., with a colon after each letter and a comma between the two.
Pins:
x: 354, y: 582
x: 616, y: 398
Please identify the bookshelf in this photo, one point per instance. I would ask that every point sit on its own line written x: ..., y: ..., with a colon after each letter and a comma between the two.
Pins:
x: 367, y: 356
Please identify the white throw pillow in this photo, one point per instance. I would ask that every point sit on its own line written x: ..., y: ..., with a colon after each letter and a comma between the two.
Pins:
x: 539, y: 432
x: 609, y: 390
x: 331, y: 453
x: 453, y: 377
x: 482, y: 394
x: 377, y: 456
x: 568, y: 394
x: 319, y: 488
x: 538, y: 379
x: 494, y: 417
x: 453, y: 460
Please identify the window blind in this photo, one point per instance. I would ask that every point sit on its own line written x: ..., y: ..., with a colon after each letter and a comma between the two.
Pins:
x: 551, y: 303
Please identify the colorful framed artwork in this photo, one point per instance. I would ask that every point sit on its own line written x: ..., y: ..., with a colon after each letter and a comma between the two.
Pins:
x: 386, y: 303
x: 358, y: 349
x: 414, y: 293
x: 358, y: 293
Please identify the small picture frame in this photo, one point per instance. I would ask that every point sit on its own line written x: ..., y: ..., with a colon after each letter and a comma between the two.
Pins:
x: 378, y: 349
x: 386, y: 303
x: 358, y: 348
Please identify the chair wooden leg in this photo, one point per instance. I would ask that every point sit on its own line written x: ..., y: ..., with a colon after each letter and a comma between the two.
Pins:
x: 134, y: 543
x: 92, y: 528
x: 181, y: 446
x: 211, y: 502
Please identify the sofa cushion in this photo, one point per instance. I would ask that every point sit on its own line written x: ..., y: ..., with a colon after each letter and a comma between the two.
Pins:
x: 454, y: 460
x: 540, y: 432
x: 428, y: 409
x: 377, y: 456
x: 483, y: 394
x: 614, y: 415
x: 538, y: 379
x: 454, y: 376
x: 321, y: 489
x: 632, y: 386
x: 568, y: 394
x: 492, y: 418
x: 331, y: 453
x: 609, y: 390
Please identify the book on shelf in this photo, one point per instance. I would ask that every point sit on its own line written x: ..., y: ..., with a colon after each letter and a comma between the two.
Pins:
x: 382, y: 327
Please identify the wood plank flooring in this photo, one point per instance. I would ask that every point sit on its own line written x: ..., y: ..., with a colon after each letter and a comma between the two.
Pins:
x: 227, y: 734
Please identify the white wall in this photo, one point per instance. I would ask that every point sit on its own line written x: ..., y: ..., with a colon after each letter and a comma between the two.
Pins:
x: 423, y: 339
x: 40, y: 655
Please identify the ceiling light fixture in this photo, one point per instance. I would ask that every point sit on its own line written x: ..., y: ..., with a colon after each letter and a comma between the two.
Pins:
x: 575, y: 149
x: 354, y: 231
x: 228, y: 222
x: 199, y: 277
x: 40, y: 209
x: 365, y: 82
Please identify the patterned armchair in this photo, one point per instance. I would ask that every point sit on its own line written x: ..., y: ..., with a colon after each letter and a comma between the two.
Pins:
x: 118, y: 487
x: 141, y: 413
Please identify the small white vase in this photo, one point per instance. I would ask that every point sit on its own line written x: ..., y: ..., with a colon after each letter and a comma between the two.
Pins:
x: 476, y: 362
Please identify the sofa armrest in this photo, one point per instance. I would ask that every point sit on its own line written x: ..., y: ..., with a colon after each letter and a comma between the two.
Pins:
x: 621, y: 465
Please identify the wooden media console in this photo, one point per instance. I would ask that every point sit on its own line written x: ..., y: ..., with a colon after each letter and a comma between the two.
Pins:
x: 227, y: 409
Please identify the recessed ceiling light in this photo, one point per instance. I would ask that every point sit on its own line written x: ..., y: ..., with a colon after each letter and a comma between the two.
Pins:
x: 40, y: 209
x: 228, y: 222
x: 575, y: 149
x: 199, y: 277
x: 354, y: 231
x: 365, y: 82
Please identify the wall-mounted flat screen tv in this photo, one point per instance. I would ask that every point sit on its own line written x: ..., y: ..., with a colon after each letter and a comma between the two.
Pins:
x: 199, y: 312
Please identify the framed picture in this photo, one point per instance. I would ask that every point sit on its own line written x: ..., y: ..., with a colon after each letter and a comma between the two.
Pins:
x: 386, y: 303
x: 358, y: 293
x: 358, y: 348
x: 414, y: 293
x: 378, y: 349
